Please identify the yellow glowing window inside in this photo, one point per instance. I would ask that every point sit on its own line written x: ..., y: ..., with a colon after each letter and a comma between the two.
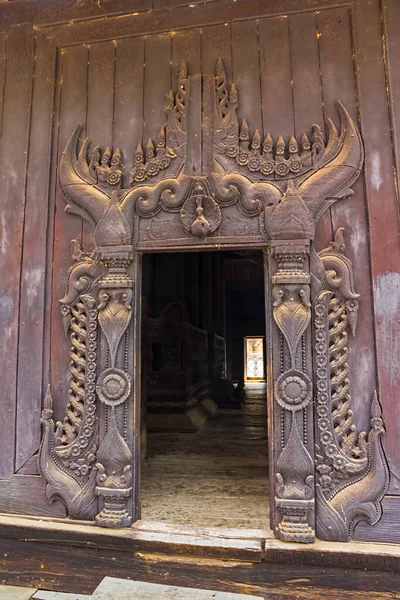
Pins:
x: 254, y: 358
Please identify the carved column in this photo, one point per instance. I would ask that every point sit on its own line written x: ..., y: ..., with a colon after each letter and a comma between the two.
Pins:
x: 114, y: 387
x: 293, y: 512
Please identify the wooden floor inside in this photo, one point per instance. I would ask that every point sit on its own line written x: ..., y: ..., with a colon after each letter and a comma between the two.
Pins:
x: 216, y: 477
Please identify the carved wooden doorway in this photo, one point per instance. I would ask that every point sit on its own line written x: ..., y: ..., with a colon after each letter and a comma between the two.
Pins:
x: 208, y: 179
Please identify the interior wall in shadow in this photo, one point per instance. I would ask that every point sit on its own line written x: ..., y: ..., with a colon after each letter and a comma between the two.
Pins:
x: 245, y: 316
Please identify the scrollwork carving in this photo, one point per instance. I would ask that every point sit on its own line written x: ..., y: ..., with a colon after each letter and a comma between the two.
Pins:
x: 352, y: 475
x: 67, y: 452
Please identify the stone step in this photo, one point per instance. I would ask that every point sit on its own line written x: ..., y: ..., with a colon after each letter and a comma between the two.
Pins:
x: 10, y: 592
x: 121, y: 589
x: 43, y: 595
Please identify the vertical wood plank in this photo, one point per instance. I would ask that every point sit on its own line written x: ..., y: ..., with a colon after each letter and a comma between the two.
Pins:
x: 100, y: 107
x: 337, y: 72
x: 307, y: 93
x: 216, y: 43
x: 31, y: 322
x: 276, y: 77
x: 383, y: 217
x: 186, y: 45
x: 157, y: 83
x: 2, y: 73
x: 100, y: 93
x: 13, y: 161
x: 246, y: 72
x: 391, y: 23
x: 128, y: 107
x: 66, y: 226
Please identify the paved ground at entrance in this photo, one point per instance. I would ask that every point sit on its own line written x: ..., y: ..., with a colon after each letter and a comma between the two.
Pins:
x: 121, y: 589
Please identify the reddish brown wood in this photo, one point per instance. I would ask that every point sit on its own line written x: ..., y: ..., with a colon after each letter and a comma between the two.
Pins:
x: 128, y: 101
x: 2, y: 73
x: 100, y: 105
x: 391, y: 29
x: 383, y: 218
x: 13, y: 160
x: 337, y: 73
x: 32, y: 312
x: 307, y: 92
x: 72, y: 109
x: 276, y: 77
x: 25, y: 494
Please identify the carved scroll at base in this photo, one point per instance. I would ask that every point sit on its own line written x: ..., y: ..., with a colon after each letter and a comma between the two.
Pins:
x: 352, y: 474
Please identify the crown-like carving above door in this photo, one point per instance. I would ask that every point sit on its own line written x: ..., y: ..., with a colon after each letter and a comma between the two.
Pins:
x: 206, y: 164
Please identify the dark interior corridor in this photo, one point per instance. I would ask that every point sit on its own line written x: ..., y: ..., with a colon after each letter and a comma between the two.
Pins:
x: 204, y: 433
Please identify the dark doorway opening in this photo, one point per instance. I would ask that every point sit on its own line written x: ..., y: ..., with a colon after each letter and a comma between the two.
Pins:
x: 204, y: 430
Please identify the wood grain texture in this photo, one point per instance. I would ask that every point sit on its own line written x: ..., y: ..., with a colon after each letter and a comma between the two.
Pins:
x: 181, y: 17
x: 66, y: 227
x: 276, y: 76
x: 25, y: 494
x: 383, y: 219
x: 2, y: 73
x: 307, y: 93
x: 51, y: 11
x: 31, y: 323
x: 62, y: 557
x: 100, y: 107
x: 128, y: 100
x: 13, y: 160
x: 391, y: 30
x: 338, y: 83
x: 388, y: 528
x: 157, y: 83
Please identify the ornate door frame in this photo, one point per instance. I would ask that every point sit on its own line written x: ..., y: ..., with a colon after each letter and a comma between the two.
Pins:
x: 207, y: 182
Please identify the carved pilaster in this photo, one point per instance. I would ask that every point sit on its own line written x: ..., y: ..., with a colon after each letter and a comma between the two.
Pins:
x: 294, y: 485
x: 114, y: 387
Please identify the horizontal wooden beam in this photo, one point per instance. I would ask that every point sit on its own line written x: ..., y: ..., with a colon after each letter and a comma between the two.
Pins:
x: 184, y: 17
x: 75, y: 558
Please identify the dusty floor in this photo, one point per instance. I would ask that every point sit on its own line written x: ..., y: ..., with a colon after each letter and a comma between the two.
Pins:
x: 216, y: 477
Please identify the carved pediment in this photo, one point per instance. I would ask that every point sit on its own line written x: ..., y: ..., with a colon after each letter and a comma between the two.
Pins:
x: 286, y: 184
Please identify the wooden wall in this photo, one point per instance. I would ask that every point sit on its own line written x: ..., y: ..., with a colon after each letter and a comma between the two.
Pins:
x: 291, y: 60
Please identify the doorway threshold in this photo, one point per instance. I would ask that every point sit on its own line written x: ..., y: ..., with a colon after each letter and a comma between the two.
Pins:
x: 183, y: 543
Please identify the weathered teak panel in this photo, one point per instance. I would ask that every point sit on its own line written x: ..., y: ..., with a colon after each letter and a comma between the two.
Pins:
x: 290, y: 67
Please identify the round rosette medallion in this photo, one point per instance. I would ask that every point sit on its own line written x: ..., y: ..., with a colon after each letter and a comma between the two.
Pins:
x: 113, y: 387
x: 293, y: 390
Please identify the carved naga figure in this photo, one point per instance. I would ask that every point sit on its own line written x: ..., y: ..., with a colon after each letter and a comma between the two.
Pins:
x: 280, y: 190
